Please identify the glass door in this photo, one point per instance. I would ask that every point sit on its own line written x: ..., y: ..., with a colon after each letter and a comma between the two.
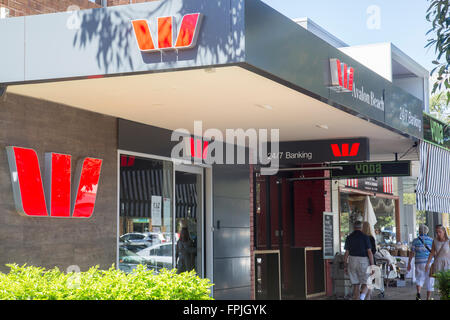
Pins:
x: 189, y: 219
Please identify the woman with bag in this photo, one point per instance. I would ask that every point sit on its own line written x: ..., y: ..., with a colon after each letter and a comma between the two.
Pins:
x: 440, y: 251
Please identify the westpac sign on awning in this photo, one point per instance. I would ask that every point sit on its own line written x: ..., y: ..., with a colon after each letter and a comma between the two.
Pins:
x: 168, y: 37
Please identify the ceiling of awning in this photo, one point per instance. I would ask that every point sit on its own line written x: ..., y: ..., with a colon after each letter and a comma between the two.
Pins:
x: 222, y: 98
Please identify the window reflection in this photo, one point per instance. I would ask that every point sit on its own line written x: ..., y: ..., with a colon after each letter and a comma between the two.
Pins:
x: 189, y: 215
x: 145, y: 213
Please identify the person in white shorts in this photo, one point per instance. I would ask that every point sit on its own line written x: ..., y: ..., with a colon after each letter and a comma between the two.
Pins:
x: 420, y: 250
x: 358, y: 256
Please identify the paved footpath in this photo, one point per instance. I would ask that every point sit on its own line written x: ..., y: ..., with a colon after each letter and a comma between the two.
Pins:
x: 407, y: 292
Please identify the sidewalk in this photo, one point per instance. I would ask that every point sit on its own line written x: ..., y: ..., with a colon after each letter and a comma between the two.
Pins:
x: 407, y: 292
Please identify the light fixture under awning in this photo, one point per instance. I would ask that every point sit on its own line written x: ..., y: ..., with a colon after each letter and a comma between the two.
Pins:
x: 433, y: 185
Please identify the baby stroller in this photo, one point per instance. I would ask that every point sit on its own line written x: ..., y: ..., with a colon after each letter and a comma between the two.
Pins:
x: 388, y: 267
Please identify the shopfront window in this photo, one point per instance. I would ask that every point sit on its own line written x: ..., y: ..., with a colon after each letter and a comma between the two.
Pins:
x: 352, y: 208
x: 146, y: 225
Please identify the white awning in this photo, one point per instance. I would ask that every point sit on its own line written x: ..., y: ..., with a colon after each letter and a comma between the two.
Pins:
x: 433, y: 185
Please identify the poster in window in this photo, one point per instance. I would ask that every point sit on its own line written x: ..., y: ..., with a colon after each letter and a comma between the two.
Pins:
x: 156, y: 210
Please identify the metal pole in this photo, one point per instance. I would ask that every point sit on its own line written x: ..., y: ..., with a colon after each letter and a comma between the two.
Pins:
x: 310, y: 169
x: 307, y: 179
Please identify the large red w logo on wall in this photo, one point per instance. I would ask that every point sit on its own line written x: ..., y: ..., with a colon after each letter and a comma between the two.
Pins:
x: 166, y: 37
x: 28, y: 189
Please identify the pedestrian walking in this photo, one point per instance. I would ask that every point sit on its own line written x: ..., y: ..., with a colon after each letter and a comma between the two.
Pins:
x: 440, y: 251
x: 373, y: 245
x: 357, y: 259
x: 420, y: 251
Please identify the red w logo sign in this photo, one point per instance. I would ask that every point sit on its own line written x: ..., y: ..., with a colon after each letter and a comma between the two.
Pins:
x: 167, y: 39
x: 28, y: 189
x: 197, y: 149
x: 345, y: 150
x: 341, y: 76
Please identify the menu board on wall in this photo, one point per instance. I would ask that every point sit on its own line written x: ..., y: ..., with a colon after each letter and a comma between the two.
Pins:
x: 329, y: 226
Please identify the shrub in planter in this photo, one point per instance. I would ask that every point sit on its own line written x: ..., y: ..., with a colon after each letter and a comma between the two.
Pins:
x: 443, y: 284
x: 35, y: 283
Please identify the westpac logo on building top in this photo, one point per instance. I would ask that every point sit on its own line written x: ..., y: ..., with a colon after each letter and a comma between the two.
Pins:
x: 59, y: 199
x: 342, y: 76
x: 166, y: 36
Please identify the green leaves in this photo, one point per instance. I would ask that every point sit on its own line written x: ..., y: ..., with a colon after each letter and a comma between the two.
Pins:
x: 438, y: 14
x: 34, y: 283
x: 443, y: 284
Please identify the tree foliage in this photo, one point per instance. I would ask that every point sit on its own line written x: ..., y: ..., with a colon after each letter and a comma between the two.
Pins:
x: 438, y: 14
x: 439, y: 107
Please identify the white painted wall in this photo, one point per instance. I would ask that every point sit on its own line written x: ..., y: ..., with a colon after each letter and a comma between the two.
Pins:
x: 376, y: 57
x: 414, y: 86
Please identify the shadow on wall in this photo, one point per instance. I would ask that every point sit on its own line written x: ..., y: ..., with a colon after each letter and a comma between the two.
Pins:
x: 113, y: 31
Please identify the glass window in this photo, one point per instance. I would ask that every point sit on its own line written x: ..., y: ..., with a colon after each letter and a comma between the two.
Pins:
x: 146, y: 200
x: 189, y: 221
x: 352, y: 208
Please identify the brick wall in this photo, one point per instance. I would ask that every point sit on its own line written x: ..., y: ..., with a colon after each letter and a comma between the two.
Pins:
x: 49, y: 242
x: 19, y: 8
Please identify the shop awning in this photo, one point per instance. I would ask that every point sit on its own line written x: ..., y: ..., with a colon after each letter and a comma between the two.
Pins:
x: 433, y: 185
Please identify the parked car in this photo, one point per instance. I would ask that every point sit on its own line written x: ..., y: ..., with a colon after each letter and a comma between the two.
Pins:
x: 156, y: 237
x: 142, y: 239
x: 158, y: 256
x: 132, y: 247
x: 129, y: 260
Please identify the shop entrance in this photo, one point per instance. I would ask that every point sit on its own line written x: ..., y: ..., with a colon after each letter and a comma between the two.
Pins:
x: 189, y: 221
x: 288, y: 222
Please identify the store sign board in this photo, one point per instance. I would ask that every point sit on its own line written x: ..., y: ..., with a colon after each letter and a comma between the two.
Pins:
x: 56, y: 197
x: 167, y: 38
x: 371, y: 169
x: 379, y: 185
x: 436, y: 131
x: 319, y: 151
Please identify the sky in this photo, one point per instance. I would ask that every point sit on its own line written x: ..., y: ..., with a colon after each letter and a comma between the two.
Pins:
x: 357, y: 22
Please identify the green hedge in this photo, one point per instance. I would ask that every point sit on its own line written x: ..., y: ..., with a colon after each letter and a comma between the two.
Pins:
x: 34, y: 283
x: 443, y: 284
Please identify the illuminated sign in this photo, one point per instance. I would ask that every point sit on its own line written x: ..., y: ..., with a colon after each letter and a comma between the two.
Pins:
x: 371, y: 169
x: 319, y: 151
x: 343, y: 151
x: 167, y: 38
x: 55, y: 201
